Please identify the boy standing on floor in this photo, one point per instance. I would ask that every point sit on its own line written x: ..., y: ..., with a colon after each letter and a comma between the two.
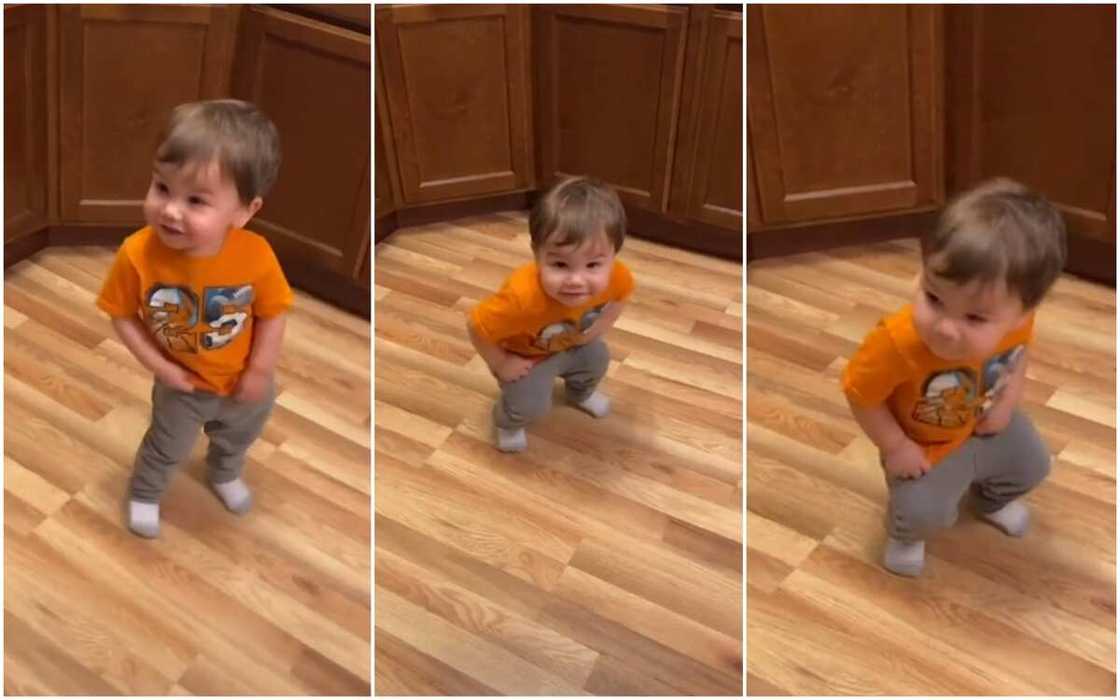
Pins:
x: 200, y: 302
x: 936, y: 385
x: 549, y: 317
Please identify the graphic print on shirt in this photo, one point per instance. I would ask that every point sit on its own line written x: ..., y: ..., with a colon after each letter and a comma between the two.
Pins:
x: 227, y: 309
x: 996, y: 373
x: 172, y: 313
x: 563, y: 335
x: 948, y: 398
x: 953, y: 397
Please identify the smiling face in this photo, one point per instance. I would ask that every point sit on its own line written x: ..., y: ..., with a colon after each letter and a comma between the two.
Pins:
x: 573, y: 274
x: 192, y: 208
x: 964, y: 321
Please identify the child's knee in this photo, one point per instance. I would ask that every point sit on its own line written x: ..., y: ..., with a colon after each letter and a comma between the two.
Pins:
x: 921, y: 516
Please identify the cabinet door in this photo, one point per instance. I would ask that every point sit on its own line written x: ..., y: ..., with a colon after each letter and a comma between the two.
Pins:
x: 123, y: 69
x: 25, y: 121
x: 313, y: 81
x: 608, y: 89
x: 1034, y: 98
x: 708, y: 168
x: 457, y: 78
x: 845, y: 108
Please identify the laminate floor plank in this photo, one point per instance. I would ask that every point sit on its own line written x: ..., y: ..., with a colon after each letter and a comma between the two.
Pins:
x: 607, y: 558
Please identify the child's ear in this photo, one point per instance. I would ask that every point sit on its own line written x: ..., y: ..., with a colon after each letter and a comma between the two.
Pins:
x: 249, y: 212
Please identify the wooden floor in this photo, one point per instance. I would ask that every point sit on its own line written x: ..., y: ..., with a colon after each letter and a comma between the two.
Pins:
x: 607, y: 558
x: 991, y: 615
x: 277, y: 602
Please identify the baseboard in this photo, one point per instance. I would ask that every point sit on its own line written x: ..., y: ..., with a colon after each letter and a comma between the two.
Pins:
x: 1092, y: 259
x: 691, y: 235
x: 791, y: 240
x: 328, y: 285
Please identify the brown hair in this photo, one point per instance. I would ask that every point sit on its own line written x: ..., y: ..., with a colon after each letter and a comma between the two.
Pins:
x: 236, y: 134
x: 999, y: 230
x: 576, y: 210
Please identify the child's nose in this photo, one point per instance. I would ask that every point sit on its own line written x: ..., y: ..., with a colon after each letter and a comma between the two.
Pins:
x: 947, y: 328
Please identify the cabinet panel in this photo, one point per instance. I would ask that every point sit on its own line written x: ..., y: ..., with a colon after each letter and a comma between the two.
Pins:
x: 846, y: 108
x: 387, y: 194
x: 313, y: 81
x: 25, y: 119
x: 123, y: 69
x: 457, y: 80
x: 1034, y: 98
x: 608, y: 88
x: 716, y: 192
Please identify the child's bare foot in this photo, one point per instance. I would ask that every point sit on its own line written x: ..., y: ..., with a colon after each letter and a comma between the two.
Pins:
x: 512, y: 440
x: 143, y: 518
x: 1013, y: 518
x: 904, y: 558
x: 235, y: 495
x: 598, y: 404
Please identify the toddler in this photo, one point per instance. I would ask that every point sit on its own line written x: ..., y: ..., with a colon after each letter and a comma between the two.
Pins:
x: 936, y: 385
x: 200, y: 301
x: 549, y: 317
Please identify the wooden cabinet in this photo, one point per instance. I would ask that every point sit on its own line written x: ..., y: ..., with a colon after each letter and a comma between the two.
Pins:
x: 845, y: 110
x: 122, y: 69
x: 1033, y: 95
x: 386, y: 183
x: 608, y: 82
x: 25, y: 116
x: 708, y: 167
x: 457, y: 83
x: 313, y: 80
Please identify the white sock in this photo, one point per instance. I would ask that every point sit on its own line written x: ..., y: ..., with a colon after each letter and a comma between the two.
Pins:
x: 1013, y: 518
x: 904, y: 558
x: 143, y: 518
x: 512, y: 440
x: 597, y: 404
x: 235, y: 494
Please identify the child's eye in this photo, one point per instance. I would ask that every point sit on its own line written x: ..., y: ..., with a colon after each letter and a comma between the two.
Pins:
x: 197, y: 200
x: 161, y: 187
x: 560, y: 265
x: 594, y: 265
x: 973, y: 318
x: 933, y: 299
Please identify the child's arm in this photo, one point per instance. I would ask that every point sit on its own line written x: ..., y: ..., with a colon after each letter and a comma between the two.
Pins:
x: 145, y: 349
x: 606, y: 320
x: 901, y: 456
x: 267, y: 336
x: 999, y: 414
x: 506, y: 366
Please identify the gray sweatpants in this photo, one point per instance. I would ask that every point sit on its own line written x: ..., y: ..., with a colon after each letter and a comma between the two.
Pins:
x: 999, y: 468
x: 530, y: 397
x: 177, y: 416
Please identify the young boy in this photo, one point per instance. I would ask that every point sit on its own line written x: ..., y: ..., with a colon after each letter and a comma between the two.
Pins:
x: 937, y: 384
x: 549, y: 317
x: 200, y: 301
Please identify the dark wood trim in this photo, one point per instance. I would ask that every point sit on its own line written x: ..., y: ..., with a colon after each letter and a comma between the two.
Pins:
x: 1092, y: 259
x: 24, y: 247
x: 354, y: 17
x: 790, y: 240
x: 693, y: 235
x: 328, y: 285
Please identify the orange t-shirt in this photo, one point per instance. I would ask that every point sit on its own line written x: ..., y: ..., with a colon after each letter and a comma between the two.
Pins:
x: 522, y: 319
x: 200, y: 310
x: 935, y: 401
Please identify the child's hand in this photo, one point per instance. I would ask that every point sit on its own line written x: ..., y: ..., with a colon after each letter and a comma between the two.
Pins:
x: 252, y: 386
x: 513, y: 367
x: 906, y: 461
x: 176, y: 377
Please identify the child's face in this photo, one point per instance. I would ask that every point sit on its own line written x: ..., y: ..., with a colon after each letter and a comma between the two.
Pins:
x: 964, y: 322
x: 192, y: 208
x: 573, y: 275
